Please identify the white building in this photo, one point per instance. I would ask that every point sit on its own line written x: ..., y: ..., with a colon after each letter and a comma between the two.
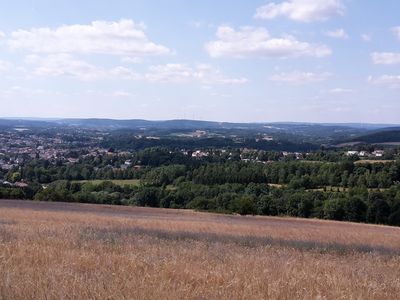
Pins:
x: 378, y: 153
x: 351, y: 153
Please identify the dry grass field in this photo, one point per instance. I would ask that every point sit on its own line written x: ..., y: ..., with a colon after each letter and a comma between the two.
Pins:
x: 78, y: 251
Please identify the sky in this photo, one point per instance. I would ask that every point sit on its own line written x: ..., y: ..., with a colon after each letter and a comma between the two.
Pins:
x: 241, y: 61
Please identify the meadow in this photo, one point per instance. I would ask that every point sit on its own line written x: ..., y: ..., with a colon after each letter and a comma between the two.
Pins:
x: 119, y: 182
x: 83, y: 251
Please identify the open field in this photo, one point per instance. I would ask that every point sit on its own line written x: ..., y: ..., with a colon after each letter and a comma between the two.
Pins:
x: 276, y: 185
x: 374, y: 161
x: 80, y: 251
x: 120, y: 182
x: 328, y: 188
x: 341, y: 189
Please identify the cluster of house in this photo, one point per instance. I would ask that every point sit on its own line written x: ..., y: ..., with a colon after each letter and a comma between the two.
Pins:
x: 128, y: 164
x: 13, y: 142
x: 18, y: 184
x: 200, y: 154
x: 6, y: 165
x: 17, y: 146
x: 376, y: 153
x: 265, y: 137
x: 246, y: 154
x: 297, y: 155
x: 17, y: 157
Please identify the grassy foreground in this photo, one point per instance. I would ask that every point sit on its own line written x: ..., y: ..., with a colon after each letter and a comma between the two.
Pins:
x: 79, y: 251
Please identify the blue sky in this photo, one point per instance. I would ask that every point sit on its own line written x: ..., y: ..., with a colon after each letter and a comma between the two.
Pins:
x: 245, y: 61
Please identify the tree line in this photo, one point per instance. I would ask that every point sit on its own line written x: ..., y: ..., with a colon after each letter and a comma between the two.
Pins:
x: 339, y: 190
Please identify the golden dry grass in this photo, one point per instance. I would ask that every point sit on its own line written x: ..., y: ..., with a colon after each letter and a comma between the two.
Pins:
x: 76, y: 251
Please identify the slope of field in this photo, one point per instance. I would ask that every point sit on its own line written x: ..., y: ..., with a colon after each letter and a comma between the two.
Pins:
x: 79, y: 251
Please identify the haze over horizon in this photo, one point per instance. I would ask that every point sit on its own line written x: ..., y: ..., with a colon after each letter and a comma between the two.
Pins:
x: 266, y: 122
x: 325, y: 61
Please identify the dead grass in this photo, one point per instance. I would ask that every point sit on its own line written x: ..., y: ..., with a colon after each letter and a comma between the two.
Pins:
x: 75, y: 251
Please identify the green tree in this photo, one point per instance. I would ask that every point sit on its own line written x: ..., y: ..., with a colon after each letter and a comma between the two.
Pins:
x: 244, y: 205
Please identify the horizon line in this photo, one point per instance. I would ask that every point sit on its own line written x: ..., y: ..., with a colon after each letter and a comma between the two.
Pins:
x: 192, y: 120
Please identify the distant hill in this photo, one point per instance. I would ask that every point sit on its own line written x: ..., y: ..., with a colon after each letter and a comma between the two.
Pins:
x: 10, y: 123
x: 316, y: 133
x: 191, y: 124
x: 385, y: 135
x: 309, y: 129
x: 139, y: 123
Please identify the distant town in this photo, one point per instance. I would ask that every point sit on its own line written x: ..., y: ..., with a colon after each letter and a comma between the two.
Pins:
x: 20, y: 146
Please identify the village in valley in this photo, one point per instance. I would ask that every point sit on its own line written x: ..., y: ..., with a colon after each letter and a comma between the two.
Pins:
x: 64, y: 146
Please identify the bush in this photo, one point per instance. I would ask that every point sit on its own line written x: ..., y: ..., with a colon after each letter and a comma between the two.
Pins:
x: 378, y: 212
x: 334, y: 209
x: 148, y: 196
x: 244, y: 205
x: 202, y: 203
x: 355, y: 210
x: 394, y: 218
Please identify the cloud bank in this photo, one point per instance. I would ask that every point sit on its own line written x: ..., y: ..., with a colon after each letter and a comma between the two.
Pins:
x: 302, y: 10
x: 100, y: 37
x: 257, y: 42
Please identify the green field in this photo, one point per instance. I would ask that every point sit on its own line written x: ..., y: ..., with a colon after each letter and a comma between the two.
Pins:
x: 374, y: 161
x: 341, y: 189
x: 121, y: 182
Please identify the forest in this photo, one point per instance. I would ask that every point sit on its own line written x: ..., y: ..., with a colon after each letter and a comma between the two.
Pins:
x: 326, y: 186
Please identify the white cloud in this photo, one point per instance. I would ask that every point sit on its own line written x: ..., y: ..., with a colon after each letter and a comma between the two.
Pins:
x: 396, y: 31
x: 4, y: 66
x: 113, y: 94
x: 219, y: 95
x: 338, y: 34
x: 170, y: 73
x: 66, y: 65
x: 256, y: 42
x: 366, y: 37
x: 18, y: 91
x: 302, y: 10
x: 340, y: 91
x: 392, y: 81
x: 115, y: 38
x: 123, y: 73
x: 2, y: 34
x: 207, y: 74
x: 131, y: 60
x: 385, y: 58
x: 122, y: 94
x: 180, y: 73
x: 297, y: 77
